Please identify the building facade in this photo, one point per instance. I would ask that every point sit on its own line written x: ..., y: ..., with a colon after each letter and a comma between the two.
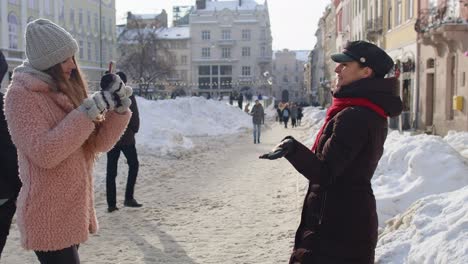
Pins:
x: 443, y: 42
x: 231, y: 47
x: 91, y: 22
x: 288, y: 69
x: 400, y: 44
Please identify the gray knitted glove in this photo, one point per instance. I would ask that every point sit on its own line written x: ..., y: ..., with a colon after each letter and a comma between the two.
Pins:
x: 97, y: 104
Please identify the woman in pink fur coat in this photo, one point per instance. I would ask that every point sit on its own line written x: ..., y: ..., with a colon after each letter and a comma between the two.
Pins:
x: 58, y: 130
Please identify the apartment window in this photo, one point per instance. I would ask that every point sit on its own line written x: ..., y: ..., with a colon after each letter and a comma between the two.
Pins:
x: 246, y: 34
x: 225, y: 70
x: 104, y: 52
x: 103, y: 26
x: 173, y: 58
x: 89, y: 51
x: 61, y: 10
x: 263, y: 52
x: 409, y: 9
x: 183, y: 75
x: 96, y: 22
x: 81, y: 49
x: 110, y: 25
x: 80, y: 17
x: 206, y: 53
x: 245, y: 51
x: 47, y: 7
x: 389, y: 17
x: 226, y: 53
x: 205, y: 35
x: 183, y: 59
x: 13, y: 31
x: 285, y: 79
x: 245, y: 70
x: 398, y: 13
x: 203, y: 70
x: 96, y: 51
x: 226, y: 34
x: 297, y: 79
x: 72, y: 18
x: 263, y: 34
x: 88, y: 19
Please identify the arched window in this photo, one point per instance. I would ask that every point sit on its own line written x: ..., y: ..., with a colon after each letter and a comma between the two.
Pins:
x: 389, y: 17
x: 13, y: 31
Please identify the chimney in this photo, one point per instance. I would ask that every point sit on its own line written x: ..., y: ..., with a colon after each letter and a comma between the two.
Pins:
x: 201, y: 4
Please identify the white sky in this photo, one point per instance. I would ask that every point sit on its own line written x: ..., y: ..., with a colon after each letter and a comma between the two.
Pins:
x: 293, y: 22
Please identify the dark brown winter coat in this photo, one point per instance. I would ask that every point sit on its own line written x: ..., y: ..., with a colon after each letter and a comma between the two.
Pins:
x: 10, y: 183
x: 339, y: 218
x: 128, y: 138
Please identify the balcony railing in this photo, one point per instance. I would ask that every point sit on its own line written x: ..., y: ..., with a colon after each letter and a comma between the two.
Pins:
x: 374, y: 28
x: 435, y: 17
x: 375, y: 25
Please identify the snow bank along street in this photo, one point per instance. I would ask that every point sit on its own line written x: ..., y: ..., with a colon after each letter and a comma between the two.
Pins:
x: 209, y: 199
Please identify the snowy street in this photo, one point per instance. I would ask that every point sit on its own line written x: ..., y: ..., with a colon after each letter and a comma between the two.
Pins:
x: 207, y: 198
x: 219, y: 204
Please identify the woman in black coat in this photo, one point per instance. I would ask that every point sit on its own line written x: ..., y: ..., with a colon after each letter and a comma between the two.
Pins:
x: 339, y: 219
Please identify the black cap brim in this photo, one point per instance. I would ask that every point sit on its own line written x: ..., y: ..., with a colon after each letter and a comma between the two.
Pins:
x: 341, y: 57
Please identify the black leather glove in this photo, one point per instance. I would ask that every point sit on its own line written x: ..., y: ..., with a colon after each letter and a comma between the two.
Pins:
x: 286, y: 146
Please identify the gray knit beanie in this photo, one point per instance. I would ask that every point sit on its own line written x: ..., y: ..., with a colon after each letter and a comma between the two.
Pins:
x: 48, y: 44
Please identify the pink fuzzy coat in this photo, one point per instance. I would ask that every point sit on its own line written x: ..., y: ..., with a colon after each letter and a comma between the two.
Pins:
x: 56, y: 203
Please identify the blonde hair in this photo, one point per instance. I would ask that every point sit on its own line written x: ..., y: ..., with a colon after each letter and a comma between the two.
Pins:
x: 76, y: 89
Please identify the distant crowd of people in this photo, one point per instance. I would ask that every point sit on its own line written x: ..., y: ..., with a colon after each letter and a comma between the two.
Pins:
x: 289, y: 110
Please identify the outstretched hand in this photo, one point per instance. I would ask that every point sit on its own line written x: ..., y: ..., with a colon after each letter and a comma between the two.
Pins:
x: 285, y: 147
x: 274, y: 154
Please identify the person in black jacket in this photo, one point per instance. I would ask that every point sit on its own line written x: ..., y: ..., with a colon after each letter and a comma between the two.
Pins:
x: 126, y: 144
x: 339, y: 216
x: 10, y: 183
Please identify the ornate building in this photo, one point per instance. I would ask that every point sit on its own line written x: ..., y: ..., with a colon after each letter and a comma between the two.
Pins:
x: 231, y: 47
x: 443, y: 41
x: 91, y: 22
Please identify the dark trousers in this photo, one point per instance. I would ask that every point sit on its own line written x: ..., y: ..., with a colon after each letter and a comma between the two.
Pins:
x: 7, y: 210
x: 112, y: 161
x: 285, y: 120
x: 67, y: 255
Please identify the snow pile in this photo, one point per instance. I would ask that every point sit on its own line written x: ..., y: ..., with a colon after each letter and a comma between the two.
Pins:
x: 166, y: 126
x: 413, y: 167
x: 459, y: 141
x: 432, y: 230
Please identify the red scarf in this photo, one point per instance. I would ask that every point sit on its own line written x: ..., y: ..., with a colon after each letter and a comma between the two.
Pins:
x: 339, y: 104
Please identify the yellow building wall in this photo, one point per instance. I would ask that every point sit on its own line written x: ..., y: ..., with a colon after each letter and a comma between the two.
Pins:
x: 403, y: 34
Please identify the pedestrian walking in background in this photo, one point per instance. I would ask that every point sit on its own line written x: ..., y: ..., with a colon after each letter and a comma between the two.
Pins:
x: 285, y: 115
x: 126, y: 145
x: 258, y: 115
x: 58, y: 131
x: 246, y: 108
x: 293, y: 114
x: 299, y: 115
x: 10, y: 183
x: 339, y: 217
x: 240, y: 99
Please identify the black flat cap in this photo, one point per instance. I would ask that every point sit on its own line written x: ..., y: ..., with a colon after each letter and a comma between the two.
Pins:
x: 367, y: 54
